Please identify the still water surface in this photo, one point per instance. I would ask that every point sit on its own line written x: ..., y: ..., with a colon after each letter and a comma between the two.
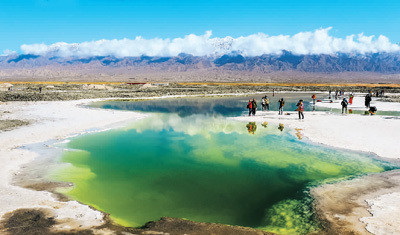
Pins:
x: 191, y: 162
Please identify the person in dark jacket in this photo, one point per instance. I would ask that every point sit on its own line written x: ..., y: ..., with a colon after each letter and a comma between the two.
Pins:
x: 281, y: 104
x: 372, y: 110
x: 368, y: 100
x: 344, y: 105
x: 254, y: 107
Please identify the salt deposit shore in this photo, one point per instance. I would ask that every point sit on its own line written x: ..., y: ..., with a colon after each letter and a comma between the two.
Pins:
x: 49, y: 120
x: 36, y: 210
x: 363, y: 205
x: 60, y: 119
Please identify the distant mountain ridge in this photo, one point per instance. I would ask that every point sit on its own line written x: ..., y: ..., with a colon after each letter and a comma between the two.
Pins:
x: 387, y: 63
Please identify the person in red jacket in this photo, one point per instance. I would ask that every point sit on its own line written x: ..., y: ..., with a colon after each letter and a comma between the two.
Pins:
x: 250, y: 107
x: 351, y: 99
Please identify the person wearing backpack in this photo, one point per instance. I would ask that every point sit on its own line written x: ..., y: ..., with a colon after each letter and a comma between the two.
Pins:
x: 250, y: 107
x: 344, y: 105
x: 267, y: 102
x: 263, y: 104
x: 281, y: 104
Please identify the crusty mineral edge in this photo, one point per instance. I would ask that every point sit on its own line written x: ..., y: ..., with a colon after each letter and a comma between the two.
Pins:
x: 363, y: 205
x: 49, y: 120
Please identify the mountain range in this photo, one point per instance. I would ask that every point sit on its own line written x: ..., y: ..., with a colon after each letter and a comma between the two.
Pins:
x: 26, y: 65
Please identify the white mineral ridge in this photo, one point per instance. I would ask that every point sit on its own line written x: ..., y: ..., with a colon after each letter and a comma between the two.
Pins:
x: 385, y: 217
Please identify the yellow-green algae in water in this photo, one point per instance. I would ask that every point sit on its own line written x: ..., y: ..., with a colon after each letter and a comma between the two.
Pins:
x: 205, y: 169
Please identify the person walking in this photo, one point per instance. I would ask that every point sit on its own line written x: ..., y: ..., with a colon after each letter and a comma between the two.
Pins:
x: 344, y: 105
x: 281, y: 104
x: 254, y: 107
x: 300, y: 109
x: 250, y: 107
x: 368, y: 100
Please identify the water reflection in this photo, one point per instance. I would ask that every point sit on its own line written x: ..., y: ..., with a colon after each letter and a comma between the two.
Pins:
x: 205, y: 169
x: 226, y: 106
x: 299, y: 133
x: 251, y: 127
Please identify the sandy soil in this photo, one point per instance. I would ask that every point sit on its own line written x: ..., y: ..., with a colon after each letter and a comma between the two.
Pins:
x: 362, y: 205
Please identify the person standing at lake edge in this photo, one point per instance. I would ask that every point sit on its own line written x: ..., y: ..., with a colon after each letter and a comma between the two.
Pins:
x: 313, y: 98
x: 368, y: 100
x: 351, y: 99
x: 300, y: 108
x: 344, y: 105
x: 263, y: 104
x: 250, y: 107
x: 254, y: 107
x: 281, y: 104
x: 267, y: 102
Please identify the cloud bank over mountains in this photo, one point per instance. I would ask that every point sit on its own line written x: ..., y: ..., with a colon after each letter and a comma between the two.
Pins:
x: 303, y: 43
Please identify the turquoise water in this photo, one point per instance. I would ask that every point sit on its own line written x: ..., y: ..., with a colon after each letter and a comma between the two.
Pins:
x: 226, y: 106
x: 208, y: 169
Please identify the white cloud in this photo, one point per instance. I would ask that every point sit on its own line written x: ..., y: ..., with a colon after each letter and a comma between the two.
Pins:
x: 8, y: 52
x: 316, y: 42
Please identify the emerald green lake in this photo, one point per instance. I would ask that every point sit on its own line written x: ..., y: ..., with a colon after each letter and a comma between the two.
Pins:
x: 191, y: 161
x: 206, y: 169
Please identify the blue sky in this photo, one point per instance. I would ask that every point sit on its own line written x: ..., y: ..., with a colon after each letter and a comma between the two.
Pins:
x: 50, y: 21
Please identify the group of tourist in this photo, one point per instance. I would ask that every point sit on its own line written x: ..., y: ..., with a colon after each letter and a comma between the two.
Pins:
x: 337, y: 94
x: 371, y: 109
x: 265, y: 102
x: 252, y: 106
x: 368, y: 98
